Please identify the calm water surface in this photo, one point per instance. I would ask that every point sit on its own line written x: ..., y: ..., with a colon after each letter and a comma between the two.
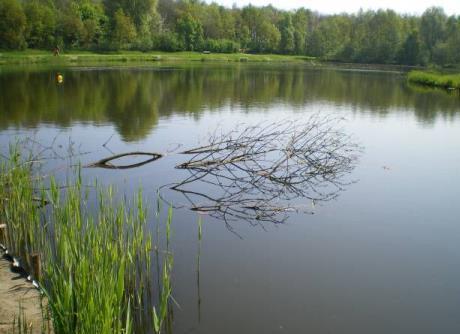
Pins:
x: 384, y: 257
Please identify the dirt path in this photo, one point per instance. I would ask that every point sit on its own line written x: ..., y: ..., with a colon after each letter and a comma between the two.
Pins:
x: 16, y: 291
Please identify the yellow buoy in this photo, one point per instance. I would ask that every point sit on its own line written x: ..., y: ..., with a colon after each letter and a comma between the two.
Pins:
x: 59, y: 78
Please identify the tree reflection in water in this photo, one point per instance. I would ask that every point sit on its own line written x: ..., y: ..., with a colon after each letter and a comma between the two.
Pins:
x: 133, y: 100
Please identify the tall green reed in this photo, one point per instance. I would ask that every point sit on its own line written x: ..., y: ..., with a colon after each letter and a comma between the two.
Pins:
x: 96, y: 261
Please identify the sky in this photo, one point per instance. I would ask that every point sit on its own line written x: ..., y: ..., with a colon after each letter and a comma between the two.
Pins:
x: 451, y: 7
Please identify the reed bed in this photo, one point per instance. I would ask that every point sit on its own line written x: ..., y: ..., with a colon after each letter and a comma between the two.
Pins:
x: 95, y: 259
x: 447, y: 81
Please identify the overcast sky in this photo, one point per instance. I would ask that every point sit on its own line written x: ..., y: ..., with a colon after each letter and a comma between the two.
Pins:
x: 351, y: 6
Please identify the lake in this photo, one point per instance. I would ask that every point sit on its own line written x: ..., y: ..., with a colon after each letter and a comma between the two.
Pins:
x: 381, y: 257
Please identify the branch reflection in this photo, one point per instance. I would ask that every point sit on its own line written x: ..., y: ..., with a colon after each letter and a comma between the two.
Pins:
x: 261, y: 173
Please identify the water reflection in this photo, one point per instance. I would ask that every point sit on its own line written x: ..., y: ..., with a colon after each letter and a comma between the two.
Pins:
x: 259, y: 172
x: 134, y: 99
x: 386, y: 247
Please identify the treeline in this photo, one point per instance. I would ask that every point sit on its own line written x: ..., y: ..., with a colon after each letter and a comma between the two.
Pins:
x: 175, y: 25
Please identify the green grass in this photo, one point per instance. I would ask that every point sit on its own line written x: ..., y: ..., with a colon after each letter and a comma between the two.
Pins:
x: 434, y: 79
x: 86, y: 57
x: 96, y: 261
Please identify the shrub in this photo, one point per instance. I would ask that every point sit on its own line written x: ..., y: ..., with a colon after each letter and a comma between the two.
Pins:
x: 221, y: 46
x: 168, y: 41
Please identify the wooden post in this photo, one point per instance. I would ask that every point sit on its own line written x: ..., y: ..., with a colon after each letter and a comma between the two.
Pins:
x: 36, y: 265
x: 3, y: 234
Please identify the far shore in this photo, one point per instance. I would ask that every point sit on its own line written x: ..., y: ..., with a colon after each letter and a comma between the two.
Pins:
x: 138, y: 58
x: 84, y: 57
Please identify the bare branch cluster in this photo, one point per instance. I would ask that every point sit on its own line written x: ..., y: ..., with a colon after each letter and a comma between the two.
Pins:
x: 254, y: 172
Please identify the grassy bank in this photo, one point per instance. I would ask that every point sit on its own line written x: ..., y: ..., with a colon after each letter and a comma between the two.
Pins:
x: 96, y: 259
x: 85, y: 57
x: 447, y: 81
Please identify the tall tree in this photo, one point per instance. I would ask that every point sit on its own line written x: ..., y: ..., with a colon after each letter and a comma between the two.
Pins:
x: 41, y: 24
x: 143, y: 14
x: 381, y: 40
x: 410, y: 51
x: 70, y: 26
x: 124, y: 31
x: 95, y: 23
x: 300, y: 21
x: 12, y: 25
x: 264, y: 36
x: 190, y: 32
x: 432, y: 27
x: 328, y: 39
x: 287, y: 43
x: 139, y: 10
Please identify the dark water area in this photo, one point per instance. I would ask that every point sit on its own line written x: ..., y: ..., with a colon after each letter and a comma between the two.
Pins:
x: 382, y: 257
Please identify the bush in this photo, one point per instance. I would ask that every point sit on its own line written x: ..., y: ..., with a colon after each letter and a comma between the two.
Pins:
x: 221, y: 46
x: 168, y: 41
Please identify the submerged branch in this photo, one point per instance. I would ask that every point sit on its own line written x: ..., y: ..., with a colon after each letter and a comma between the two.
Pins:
x: 105, y: 163
x: 256, y: 172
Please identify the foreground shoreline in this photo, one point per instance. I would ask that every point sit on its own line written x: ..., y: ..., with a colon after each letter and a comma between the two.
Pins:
x: 19, y: 300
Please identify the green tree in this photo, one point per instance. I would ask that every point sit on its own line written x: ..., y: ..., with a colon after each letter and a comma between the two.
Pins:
x: 381, y: 40
x: 300, y: 21
x: 410, y: 51
x: 190, y: 32
x: 142, y: 13
x: 329, y: 38
x: 70, y: 26
x: 242, y: 33
x: 453, y: 40
x: 287, y: 43
x: 41, y: 25
x: 212, y: 22
x: 263, y: 35
x: 168, y: 12
x: 71, y: 29
x: 441, y: 54
x: 12, y: 25
x: 228, y: 24
x: 432, y: 27
x: 124, y: 31
x: 94, y: 23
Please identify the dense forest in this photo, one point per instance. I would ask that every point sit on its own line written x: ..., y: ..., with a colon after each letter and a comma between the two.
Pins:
x: 174, y: 25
